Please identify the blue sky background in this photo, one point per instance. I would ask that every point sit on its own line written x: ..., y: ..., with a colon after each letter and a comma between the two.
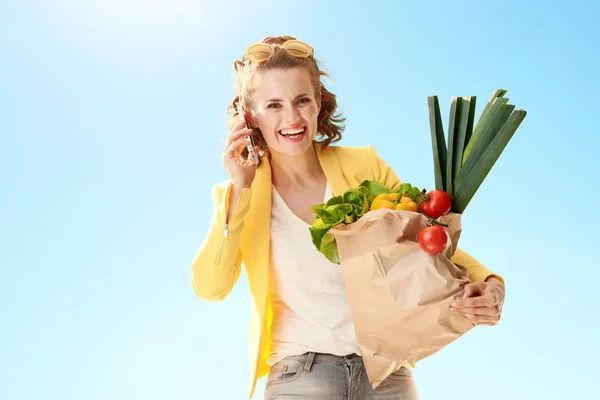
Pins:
x: 112, y: 120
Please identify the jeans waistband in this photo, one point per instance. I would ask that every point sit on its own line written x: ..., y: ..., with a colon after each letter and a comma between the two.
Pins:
x: 308, y: 359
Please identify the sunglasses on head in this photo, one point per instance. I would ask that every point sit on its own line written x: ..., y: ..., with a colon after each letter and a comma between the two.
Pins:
x: 261, y: 52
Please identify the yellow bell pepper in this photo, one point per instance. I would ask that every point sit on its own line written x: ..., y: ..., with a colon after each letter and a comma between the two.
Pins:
x: 384, y: 200
x: 407, y: 206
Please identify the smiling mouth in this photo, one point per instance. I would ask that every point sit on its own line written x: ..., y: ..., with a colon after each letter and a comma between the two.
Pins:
x: 293, y: 133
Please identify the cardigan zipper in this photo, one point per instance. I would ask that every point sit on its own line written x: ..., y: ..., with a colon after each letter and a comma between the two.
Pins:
x: 222, y: 244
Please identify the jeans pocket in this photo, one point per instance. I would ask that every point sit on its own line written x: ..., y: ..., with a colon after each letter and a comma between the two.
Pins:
x: 284, y: 371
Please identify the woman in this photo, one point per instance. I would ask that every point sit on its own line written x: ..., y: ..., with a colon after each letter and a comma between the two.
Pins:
x: 301, y: 331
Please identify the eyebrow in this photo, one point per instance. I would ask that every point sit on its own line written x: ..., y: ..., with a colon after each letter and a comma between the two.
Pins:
x: 297, y: 97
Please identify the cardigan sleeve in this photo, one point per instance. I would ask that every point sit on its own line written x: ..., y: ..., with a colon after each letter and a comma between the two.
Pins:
x: 216, y: 265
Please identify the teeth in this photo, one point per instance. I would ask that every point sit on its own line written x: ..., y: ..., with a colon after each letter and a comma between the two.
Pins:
x: 287, y: 132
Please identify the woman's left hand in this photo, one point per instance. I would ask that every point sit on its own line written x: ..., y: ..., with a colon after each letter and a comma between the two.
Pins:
x: 481, y: 302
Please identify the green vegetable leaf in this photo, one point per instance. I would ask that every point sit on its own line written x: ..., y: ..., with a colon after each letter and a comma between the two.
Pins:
x: 317, y: 208
x: 335, y: 214
x: 350, y: 218
x: 329, y: 248
x: 317, y: 231
x: 376, y: 188
x: 408, y: 188
x: 359, y: 198
x: 356, y: 195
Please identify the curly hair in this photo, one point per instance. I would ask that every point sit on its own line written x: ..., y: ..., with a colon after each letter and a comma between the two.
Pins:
x: 329, y: 125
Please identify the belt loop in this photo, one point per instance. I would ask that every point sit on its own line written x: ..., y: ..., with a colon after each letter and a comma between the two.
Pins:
x: 309, y: 361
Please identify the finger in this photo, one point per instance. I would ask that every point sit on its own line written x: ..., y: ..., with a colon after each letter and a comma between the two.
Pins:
x: 233, y: 137
x: 235, y: 150
x: 482, y: 319
x: 248, y: 162
x: 486, y: 300
x: 236, y: 147
x: 239, y: 125
x: 490, y: 311
x: 470, y: 290
x: 474, y: 289
x: 487, y: 323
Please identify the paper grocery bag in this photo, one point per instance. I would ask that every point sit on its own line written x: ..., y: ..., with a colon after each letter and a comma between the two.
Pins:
x: 399, y: 295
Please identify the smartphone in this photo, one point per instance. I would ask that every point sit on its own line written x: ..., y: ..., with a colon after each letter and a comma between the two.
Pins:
x: 251, y: 153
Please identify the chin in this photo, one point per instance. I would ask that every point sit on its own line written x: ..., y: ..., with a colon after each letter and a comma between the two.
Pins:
x: 293, y: 148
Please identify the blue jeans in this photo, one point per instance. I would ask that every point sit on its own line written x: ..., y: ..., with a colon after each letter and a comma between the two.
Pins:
x: 316, y: 376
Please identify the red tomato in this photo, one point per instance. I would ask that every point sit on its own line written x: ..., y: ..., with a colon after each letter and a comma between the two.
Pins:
x: 439, y: 204
x: 433, y: 239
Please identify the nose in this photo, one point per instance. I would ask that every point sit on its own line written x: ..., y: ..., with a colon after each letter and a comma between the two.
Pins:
x: 291, y: 114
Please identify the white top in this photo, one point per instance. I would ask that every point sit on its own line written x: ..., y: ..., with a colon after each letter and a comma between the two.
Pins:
x: 310, y: 305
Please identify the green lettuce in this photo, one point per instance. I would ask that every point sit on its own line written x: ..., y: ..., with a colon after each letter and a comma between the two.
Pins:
x: 346, y: 209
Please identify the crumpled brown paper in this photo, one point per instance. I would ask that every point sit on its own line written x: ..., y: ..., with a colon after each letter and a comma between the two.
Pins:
x: 399, y: 295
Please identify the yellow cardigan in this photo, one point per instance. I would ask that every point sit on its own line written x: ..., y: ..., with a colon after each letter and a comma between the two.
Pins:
x: 246, y: 238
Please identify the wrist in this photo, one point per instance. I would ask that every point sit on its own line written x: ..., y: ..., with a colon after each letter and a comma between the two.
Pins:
x: 238, y: 186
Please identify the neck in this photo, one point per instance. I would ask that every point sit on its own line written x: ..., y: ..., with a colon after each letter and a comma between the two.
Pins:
x: 299, y: 170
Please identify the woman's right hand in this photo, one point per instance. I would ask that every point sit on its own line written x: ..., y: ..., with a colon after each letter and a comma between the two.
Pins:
x: 241, y: 172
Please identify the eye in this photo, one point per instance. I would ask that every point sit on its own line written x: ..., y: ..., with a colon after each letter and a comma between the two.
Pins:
x: 304, y: 100
x: 273, y: 105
